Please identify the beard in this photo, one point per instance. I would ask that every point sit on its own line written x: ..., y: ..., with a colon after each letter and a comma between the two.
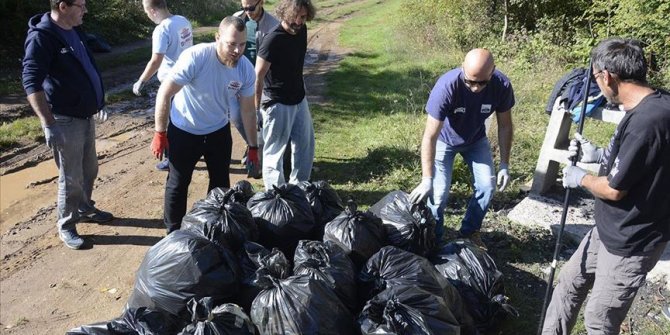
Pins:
x: 231, y: 61
x: 295, y: 27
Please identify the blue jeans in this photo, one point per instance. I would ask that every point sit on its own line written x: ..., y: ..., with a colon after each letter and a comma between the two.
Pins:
x: 479, y: 160
x: 77, y: 169
x: 284, y: 124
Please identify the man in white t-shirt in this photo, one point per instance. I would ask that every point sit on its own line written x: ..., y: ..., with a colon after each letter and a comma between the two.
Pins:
x: 197, y: 95
x: 172, y: 35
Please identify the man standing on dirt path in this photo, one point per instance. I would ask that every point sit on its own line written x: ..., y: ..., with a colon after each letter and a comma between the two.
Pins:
x: 203, y: 81
x: 172, y: 35
x: 65, y: 90
x: 280, y: 95
x: 457, y: 108
x: 259, y: 23
x: 631, y: 190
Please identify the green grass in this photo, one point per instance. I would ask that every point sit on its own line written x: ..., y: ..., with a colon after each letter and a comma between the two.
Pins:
x: 21, y: 130
x: 369, y: 132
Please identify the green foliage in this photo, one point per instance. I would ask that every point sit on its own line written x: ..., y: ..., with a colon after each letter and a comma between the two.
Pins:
x: 24, y: 129
x: 116, y: 21
x: 645, y: 20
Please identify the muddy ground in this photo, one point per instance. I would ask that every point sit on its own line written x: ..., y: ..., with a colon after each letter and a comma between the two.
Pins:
x: 46, y: 288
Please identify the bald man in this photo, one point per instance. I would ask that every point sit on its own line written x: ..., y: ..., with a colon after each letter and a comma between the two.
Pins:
x: 460, y: 102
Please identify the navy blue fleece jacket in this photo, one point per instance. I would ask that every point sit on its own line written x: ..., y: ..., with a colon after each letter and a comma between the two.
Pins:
x: 50, y: 66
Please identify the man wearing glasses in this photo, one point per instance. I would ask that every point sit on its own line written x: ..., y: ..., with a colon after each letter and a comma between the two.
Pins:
x: 632, y: 215
x: 259, y: 23
x: 65, y: 90
x: 459, y: 104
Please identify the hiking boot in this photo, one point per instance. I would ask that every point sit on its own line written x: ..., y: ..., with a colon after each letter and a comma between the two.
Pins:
x: 96, y: 216
x: 163, y: 165
x: 71, y: 239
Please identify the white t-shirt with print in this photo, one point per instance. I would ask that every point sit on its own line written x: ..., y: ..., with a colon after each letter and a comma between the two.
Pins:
x: 202, y: 105
x: 172, y: 36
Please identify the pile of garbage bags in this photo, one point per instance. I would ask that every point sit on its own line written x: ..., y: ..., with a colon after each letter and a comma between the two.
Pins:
x: 295, y: 260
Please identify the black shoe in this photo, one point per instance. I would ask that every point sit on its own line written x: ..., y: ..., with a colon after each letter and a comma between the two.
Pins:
x: 71, y: 239
x: 96, y: 216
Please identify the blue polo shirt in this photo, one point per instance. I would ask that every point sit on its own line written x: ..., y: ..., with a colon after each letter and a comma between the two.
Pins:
x: 464, y: 112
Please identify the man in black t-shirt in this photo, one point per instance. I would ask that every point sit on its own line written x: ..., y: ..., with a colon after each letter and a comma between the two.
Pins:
x: 280, y: 95
x: 632, y: 210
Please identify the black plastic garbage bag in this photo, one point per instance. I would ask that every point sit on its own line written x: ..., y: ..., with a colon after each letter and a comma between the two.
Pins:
x: 300, y: 305
x: 327, y: 262
x: 360, y: 234
x: 254, y: 261
x: 284, y: 217
x: 407, y: 310
x: 395, y: 267
x: 476, y: 277
x: 226, y: 319
x: 140, y: 321
x: 224, y: 222
x: 392, y: 266
x: 408, y: 226
x: 242, y: 191
x: 325, y: 203
x: 181, y: 266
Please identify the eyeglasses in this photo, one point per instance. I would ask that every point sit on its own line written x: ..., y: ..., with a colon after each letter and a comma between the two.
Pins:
x: 595, y: 75
x: 475, y: 82
x: 251, y: 8
x: 82, y: 7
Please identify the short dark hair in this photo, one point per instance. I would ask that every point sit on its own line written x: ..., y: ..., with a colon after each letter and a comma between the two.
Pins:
x: 232, y: 21
x: 623, y: 57
x: 157, y: 4
x: 54, y: 3
x: 288, y: 9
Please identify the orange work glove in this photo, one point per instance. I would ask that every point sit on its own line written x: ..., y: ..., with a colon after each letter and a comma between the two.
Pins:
x: 159, y: 144
x: 253, y: 163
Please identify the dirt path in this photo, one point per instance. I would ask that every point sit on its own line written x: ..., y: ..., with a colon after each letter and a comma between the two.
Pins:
x: 46, y: 288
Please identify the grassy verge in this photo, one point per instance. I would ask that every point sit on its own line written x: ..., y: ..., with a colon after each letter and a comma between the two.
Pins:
x: 20, y: 131
x: 368, y: 138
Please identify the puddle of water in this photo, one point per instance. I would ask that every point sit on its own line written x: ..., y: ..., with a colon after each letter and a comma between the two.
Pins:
x: 13, y: 185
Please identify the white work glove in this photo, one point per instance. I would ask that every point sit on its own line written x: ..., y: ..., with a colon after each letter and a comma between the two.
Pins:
x: 102, y: 115
x: 503, y: 177
x: 54, y: 137
x: 422, y: 191
x: 137, y: 88
x: 589, y: 153
x: 572, y: 176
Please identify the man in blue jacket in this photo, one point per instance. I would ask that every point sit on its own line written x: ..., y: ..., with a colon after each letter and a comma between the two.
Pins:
x: 65, y: 90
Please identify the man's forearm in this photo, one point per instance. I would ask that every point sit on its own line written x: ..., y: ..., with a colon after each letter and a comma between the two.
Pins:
x: 38, y: 102
x: 162, y: 112
x: 505, y: 138
x: 249, y: 120
x: 599, y: 187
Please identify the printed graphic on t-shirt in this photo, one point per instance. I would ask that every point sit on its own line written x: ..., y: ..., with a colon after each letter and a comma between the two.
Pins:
x: 185, y: 37
x: 486, y: 109
x: 460, y: 110
x: 615, y: 168
x: 234, y: 85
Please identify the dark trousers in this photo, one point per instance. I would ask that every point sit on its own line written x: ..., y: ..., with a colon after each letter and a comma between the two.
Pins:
x: 185, y: 151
